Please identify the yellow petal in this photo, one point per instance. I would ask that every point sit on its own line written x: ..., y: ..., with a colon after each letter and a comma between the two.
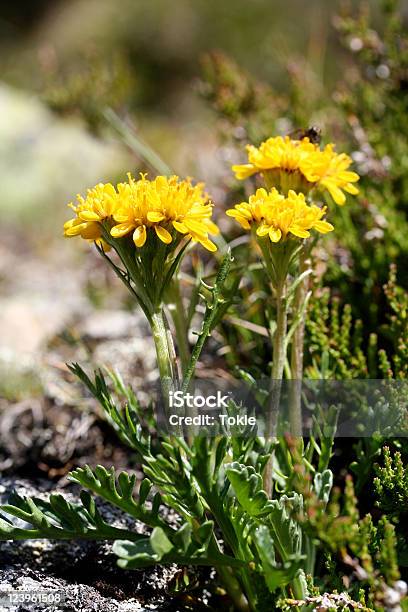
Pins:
x: 350, y: 177
x: 121, y: 230
x: 263, y: 230
x: 180, y: 227
x: 299, y: 232
x: 243, y: 171
x: 110, y: 190
x: 70, y: 223
x: 139, y: 235
x: 239, y: 216
x: 75, y: 228
x: 91, y: 231
x: 336, y: 193
x: 243, y: 211
x: 88, y: 215
x: 194, y: 227
x: 351, y: 189
x: 210, y: 246
x: 231, y: 212
x: 163, y: 234
x: 153, y: 198
x: 323, y: 227
x: 155, y: 216
x: 121, y: 215
x: 104, y: 245
x: 243, y: 222
x: 212, y: 228
x: 275, y: 235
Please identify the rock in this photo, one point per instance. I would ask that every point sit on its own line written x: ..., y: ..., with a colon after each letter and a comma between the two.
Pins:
x: 27, y: 323
x: 37, y: 148
x: 76, y: 597
x: 85, y: 572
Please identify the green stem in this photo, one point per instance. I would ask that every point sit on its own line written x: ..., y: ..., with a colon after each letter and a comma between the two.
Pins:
x: 165, y: 354
x: 250, y: 592
x: 278, y: 365
x: 233, y: 588
x: 295, y: 411
x: 176, y: 308
x: 279, y: 352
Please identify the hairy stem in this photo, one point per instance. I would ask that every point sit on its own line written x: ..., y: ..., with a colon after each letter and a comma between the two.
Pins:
x: 176, y: 308
x: 165, y: 353
x: 279, y: 357
x: 295, y: 412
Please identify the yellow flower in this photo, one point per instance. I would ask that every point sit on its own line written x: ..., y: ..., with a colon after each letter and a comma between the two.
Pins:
x: 274, y: 215
x: 100, y: 204
x: 300, y: 165
x: 331, y: 171
x: 166, y: 206
x: 281, y: 153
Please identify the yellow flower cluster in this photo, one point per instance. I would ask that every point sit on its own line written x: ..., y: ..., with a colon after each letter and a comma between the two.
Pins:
x: 100, y: 204
x: 274, y: 215
x: 166, y: 206
x: 304, y: 164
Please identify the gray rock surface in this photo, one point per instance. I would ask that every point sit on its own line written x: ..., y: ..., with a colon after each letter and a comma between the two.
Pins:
x: 85, y: 572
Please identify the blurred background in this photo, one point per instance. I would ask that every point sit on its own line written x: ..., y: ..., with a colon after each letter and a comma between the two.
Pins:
x: 63, y: 61
x: 93, y: 88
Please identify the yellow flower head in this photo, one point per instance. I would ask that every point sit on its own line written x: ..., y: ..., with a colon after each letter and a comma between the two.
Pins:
x: 330, y: 171
x: 100, y: 204
x: 300, y: 165
x: 166, y: 206
x: 274, y: 215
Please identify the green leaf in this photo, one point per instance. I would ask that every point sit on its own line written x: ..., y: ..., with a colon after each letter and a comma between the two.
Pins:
x: 127, y: 422
x: 160, y: 543
x: 170, y: 471
x: 276, y: 575
x: 285, y: 530
x: 171, y: 271
x: 184, y: 547
x: 134, y: 555
x: 182, y: 537
x: 58, y: 519
x: 323, y: 483
x: 118, y: 490
x: 247, y: 484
